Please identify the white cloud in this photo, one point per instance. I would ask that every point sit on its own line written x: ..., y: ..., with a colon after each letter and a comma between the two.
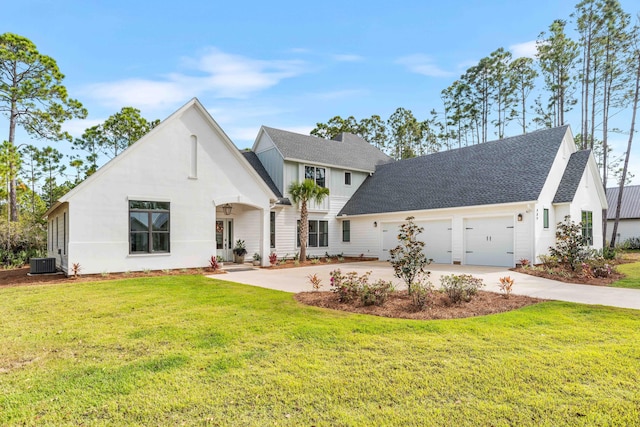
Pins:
x: 339, y: 94
x: 214, y: 72
x: 527, y: 49
x: 347, y: 58
x: 423, y: 64
x: 76, y: 127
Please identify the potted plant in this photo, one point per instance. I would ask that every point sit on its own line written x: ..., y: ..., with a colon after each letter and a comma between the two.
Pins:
x: 256, y: 259
x: 239, y: 251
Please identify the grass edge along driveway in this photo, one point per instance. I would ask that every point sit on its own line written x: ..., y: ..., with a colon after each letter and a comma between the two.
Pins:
x: 187, y: 349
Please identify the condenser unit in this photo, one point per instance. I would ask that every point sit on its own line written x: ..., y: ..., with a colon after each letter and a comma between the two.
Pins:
x: 42, y: 265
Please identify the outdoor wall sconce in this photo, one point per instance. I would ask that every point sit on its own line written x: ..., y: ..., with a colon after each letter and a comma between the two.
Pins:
x: 375, y: 224
x: 226, y: 209
x: 519, y: 217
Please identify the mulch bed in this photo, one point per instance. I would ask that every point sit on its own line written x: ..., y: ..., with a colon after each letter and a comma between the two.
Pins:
x: 595, y: 281
x: 20, y: 276
x: 333, y: 260
x: 399, y: 305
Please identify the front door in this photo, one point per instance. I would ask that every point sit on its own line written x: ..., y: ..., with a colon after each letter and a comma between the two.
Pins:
x: 224, y: 239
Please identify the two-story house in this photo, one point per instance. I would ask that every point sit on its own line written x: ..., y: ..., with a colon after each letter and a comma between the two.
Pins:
x: 184, y: 193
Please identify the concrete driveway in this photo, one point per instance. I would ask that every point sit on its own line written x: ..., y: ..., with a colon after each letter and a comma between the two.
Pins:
x: 295, y: 280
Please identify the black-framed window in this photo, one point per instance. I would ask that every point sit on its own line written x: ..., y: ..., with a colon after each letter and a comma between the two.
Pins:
x: 346, y: 230
x: 272, y: 229
x: 149, y: 227
x: 545, y: 218
x: 347, y: 178
x: 587, y: 227
x: 316, y: 174
x: 318, y: 234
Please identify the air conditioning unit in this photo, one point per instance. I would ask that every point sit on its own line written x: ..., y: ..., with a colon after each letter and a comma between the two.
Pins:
x: 42, y: 265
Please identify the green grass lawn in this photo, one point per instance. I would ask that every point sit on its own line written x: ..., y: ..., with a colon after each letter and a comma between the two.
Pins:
x: 632, y: 271
x: 190, y: 350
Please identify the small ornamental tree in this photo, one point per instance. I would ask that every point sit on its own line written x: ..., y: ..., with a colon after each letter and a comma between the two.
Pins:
x: 407, y: 259
x: 570, y: 247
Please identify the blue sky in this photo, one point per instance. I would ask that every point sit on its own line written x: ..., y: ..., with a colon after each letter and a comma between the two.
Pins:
x: 285, y: 64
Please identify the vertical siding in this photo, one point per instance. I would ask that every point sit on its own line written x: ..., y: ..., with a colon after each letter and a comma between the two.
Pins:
x: 274, y: 165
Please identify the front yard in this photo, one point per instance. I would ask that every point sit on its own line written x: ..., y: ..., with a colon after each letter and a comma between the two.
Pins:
x: 191, y: 350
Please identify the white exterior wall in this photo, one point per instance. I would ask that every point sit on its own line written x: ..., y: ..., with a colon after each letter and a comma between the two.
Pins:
x: 586, y: 199
x: 58, y: 237
x: 367, y: 239
x: 158, y: 168
x: 627, y: 228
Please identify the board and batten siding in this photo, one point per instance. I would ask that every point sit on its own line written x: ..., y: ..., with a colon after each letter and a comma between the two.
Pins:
x: 274, y: 165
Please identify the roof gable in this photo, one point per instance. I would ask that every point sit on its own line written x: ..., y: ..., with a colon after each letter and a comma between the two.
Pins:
x: 349, y: 152
x: 193, y: 104
x: 630, y: 206
x: 571, y: 177
x: 504, y: 171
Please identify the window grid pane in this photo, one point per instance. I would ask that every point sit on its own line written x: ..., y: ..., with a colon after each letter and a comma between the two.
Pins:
x: 149, y: 226
x: 346, y: 231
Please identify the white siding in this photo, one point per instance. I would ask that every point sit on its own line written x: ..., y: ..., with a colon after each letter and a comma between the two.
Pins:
x: 58, y: 237
x: 627, y: 228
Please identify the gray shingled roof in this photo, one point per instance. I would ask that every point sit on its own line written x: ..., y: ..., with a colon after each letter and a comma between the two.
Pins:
x: 351, y: 152
x: 509, y: 170
x: 630, y: 207
x: 255, y: 162
x: 571, y: 177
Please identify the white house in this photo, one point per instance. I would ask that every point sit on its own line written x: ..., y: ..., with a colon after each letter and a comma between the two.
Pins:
x: 161, y: 203
x: 629, y: 224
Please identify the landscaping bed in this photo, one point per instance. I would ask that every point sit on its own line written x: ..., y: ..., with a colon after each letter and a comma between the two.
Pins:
x: 398, y: 305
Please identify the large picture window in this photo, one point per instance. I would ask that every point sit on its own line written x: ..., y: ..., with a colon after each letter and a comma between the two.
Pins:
x: 315, y: 174
x: 587, y: 227
x: 318, y: 234
x: 148, y: 227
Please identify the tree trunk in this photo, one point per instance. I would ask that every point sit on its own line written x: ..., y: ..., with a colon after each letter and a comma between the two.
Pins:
x: 304, y: 230
x: 627, y: 154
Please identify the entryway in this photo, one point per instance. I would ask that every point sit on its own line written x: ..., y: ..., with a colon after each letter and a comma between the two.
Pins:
x: 224, y: 239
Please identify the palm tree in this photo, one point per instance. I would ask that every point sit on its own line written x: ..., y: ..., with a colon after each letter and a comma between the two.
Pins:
x: 301, y: 193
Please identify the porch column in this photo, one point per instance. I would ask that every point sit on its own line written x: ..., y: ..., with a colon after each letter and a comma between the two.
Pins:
x: 265, y: 246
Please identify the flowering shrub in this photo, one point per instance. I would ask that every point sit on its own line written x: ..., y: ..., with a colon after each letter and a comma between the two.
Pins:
x: 347, y: 285
x: 597, y: 267
x: 273, y: 258
x: 506, y: 285
x: 460, y: 288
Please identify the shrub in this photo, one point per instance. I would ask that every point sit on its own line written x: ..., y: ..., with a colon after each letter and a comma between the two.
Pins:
x: 213, y: 263
x: 548, y: 261
x: 408, y: 259
x: 315, y: 282
x: 273, y: 258
x: 375, y: 293
x: 524, y: 262
x: 506, y: 285
x: 460, y: 288
x: 75, y: 269
x: 632, y: 243
x: 570, y: 245
x: 347, y: 286
x: 422, y: 295
x: 597, y: 267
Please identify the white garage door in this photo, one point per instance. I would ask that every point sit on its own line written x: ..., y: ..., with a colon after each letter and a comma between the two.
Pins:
x: 489, y: 241
x: 436, y: 236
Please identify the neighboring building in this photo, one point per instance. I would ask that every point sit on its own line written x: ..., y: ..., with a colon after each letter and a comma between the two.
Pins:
x: 629, y: 224
x: 184, y: 192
